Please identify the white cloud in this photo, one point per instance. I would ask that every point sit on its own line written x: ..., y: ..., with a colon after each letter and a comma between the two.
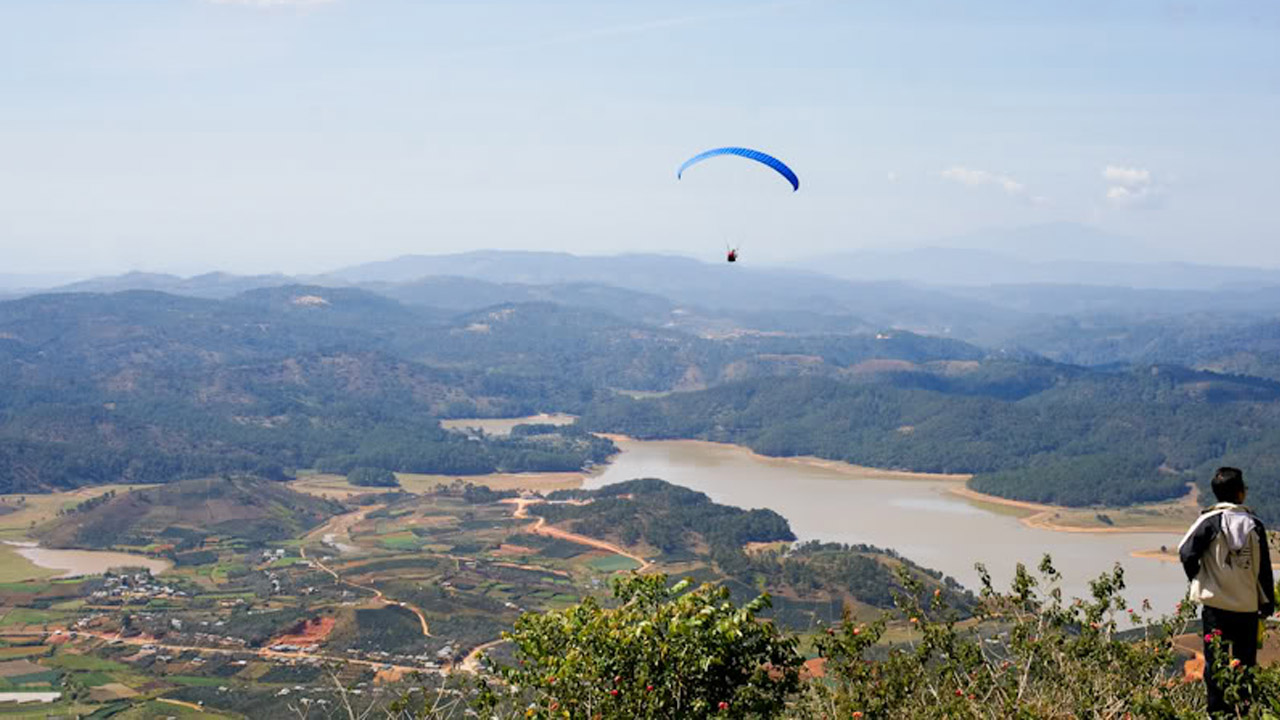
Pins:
x: 978, y: 178
x: 892, y: 176
x: 1130, y: 186
x: 1126, y: 177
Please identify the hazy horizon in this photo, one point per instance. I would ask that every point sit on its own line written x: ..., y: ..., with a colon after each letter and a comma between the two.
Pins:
x: 300, y: 136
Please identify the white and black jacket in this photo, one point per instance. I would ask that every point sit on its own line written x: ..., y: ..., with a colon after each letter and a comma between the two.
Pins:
x: 1226, y: 558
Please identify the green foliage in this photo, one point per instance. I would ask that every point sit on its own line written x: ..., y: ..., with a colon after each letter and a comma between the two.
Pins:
x: 665, y: 516
x: 662, y: 652
x: 372, y: 477
x: 1031, y: 656
x: 665, y: 652
x: 814, y: 569
x: 188, y: 388
x: 1029, y: 430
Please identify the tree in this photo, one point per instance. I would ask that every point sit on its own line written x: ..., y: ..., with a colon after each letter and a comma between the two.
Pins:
x: 663, y: 652
x: 372, y: 477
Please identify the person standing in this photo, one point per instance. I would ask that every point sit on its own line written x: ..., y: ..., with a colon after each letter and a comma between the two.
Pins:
x: 1225, y: 556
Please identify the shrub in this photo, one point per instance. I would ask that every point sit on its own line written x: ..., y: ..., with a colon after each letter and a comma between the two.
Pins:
x: 1029, y: 655
x: 662, y: 652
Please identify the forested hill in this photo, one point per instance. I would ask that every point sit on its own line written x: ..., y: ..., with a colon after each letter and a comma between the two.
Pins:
x: 1037, y: 432
x: 810, y: 581
x: 147, y: 387
x: 143, y: 386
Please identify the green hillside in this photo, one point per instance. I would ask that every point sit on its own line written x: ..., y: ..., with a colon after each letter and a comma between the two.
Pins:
x: 1029, y: 430
x: 811, y: 582
x: 186, y: 512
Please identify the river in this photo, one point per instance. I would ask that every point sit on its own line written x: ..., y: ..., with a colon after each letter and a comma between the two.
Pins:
x: 919, y: 518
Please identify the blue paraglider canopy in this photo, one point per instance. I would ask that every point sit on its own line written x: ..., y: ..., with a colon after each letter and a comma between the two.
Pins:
x: 749, y: 154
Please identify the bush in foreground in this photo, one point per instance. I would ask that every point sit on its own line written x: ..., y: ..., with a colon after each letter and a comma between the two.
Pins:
x: 663, y: 652
x: 1027, y: 653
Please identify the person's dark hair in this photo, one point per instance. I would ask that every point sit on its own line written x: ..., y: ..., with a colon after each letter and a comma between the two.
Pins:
x: 1227, y: 484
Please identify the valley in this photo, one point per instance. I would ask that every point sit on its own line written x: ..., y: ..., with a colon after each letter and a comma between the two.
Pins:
x: 340, y: 494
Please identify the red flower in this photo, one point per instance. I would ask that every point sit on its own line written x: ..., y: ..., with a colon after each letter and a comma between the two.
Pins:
x: 857, y: 631
x: 1217, y: 632
x: 614, y: 692
x: 1208, y: 638
x: 648, y: 688
x: 857, y: 713
x: 959, y: 692
x: 723, y: 705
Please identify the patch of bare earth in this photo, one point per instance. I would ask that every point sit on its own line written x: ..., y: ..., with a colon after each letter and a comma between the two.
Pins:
x: 308, y: 632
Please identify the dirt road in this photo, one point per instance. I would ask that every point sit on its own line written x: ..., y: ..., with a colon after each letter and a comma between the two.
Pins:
x: 471, y: 663
x: 539, y: 527
x: 343, y: 524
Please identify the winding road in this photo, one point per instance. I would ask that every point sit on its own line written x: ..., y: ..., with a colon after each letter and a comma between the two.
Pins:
x: 540, y: 527
x: 344, y: 523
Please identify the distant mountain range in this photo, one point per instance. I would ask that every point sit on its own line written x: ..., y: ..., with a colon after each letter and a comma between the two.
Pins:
x: 1057, y: 254
x: 1004, y: 292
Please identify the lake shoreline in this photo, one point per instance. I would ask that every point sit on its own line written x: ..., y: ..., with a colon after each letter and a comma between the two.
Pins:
x: 1038, y: 515
x: 80, y: 563
x: 808, y: 460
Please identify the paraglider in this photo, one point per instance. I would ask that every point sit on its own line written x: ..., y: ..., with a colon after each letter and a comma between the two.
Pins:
x: 731, y: 253
x: 762, y: 158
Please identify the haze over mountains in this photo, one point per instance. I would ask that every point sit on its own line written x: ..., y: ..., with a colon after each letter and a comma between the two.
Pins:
x: 997, y: 288
x: 329, y: 371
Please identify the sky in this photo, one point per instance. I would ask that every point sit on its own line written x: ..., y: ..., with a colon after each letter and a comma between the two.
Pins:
x: 303, y: 135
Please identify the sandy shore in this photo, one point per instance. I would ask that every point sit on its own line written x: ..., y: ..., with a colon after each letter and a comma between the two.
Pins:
x: 860, y: 471
x: 1040, y: 515
x: 1037, y: 515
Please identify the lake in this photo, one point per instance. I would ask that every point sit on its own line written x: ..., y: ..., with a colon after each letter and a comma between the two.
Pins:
x: 75, y: 563
x: 919, y: 518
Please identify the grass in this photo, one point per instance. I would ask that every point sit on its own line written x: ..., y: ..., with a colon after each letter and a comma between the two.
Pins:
x: 71, y: 661
x: 337, y: 487
x: 94, y: 679
x: 405, y: 541
x: 14, y: 568
x: 37, y: 509
x: 30, y: 588
x: 40, y: 711
x: 28, y: 616
x: 221, y: 570
x: 22, y: 651
x: 196, y: 680
x: 612, y: 563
